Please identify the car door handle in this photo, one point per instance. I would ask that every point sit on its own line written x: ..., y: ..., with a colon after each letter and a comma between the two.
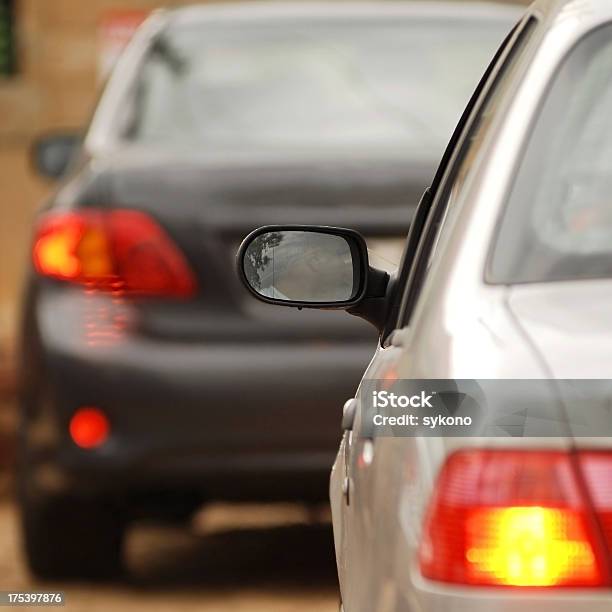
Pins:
x: 346, y: 489
x: 348, y: 414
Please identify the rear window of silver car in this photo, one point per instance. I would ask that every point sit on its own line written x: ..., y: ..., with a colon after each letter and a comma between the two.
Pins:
x: 383, y: 84
x: 557, y: 224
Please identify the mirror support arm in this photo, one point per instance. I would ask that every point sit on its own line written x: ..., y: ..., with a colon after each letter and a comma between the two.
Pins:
x: 373, y: 307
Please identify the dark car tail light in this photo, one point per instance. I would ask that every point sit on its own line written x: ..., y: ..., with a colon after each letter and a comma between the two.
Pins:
x: 114, y: 249
x: 89, y: 427
x: 516, y: 519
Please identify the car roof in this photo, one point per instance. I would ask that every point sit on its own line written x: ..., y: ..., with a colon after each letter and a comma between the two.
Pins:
x: 267, y: 11
x: 595, y: 12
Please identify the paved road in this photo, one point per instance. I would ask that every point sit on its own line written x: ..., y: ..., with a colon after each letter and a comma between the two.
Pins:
x: 243, y: 560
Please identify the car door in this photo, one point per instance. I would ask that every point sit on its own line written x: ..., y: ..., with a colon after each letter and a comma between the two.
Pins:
x: 374, y: 469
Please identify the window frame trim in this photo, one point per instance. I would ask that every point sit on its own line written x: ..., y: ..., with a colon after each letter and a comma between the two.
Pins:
x: 411, y: 282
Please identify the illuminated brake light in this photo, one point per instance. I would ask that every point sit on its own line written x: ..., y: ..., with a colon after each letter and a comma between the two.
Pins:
x: 89, y: 428
x: 110, y: 250
x: 528, y: 546
x: 511, y: 518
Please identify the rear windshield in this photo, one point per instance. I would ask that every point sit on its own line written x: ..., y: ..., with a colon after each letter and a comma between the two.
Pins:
x: 382, y: 84
x: 558, y: 221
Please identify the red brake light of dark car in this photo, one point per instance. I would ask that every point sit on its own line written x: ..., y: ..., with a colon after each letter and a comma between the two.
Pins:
x: 514, y: 519
x: 89, y: 427
x: 114, y: 249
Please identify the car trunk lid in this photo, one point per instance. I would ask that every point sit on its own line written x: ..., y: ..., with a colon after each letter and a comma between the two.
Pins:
x: 208, y: 206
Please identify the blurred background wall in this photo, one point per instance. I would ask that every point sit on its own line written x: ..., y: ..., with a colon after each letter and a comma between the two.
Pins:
x: 50, y: 57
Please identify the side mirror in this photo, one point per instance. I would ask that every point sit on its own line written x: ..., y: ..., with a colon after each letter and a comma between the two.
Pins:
x: 313, y: 267
x: 52, y: 154
x: 303, y: 266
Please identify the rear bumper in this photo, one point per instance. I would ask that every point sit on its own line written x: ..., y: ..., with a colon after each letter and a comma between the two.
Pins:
x: 233, y: 420
x: 431, y: 597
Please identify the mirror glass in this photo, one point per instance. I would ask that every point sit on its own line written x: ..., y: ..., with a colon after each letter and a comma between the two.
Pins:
x: 302, y: 266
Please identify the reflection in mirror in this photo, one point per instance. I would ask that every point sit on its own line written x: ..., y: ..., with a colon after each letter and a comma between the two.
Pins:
x: 301, y: 266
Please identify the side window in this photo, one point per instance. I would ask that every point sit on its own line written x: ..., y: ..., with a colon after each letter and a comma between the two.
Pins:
x: 557, y: 221
x: 466, y: 150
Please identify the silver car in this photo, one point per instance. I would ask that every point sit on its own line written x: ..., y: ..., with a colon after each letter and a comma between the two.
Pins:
x: 506, y: 282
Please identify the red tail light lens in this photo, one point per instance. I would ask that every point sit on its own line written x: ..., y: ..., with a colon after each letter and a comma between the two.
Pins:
x: 511, y: 518
x: 596, y: 468
x: 118, y: 249
x: 89, y: 427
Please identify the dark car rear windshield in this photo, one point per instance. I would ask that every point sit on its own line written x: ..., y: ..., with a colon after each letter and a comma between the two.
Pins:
x: 558, y: 220
x: 376, y: 84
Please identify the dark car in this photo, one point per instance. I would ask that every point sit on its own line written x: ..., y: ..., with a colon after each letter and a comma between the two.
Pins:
x: 151, y: 381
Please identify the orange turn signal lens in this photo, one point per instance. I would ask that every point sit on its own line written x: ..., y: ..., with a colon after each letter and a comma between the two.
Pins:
x: 54, y: 251
x: 89, y: 427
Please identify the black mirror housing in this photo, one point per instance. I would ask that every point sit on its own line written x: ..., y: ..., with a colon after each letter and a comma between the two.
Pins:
x: 52, y: 154
x: 311, y: 266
